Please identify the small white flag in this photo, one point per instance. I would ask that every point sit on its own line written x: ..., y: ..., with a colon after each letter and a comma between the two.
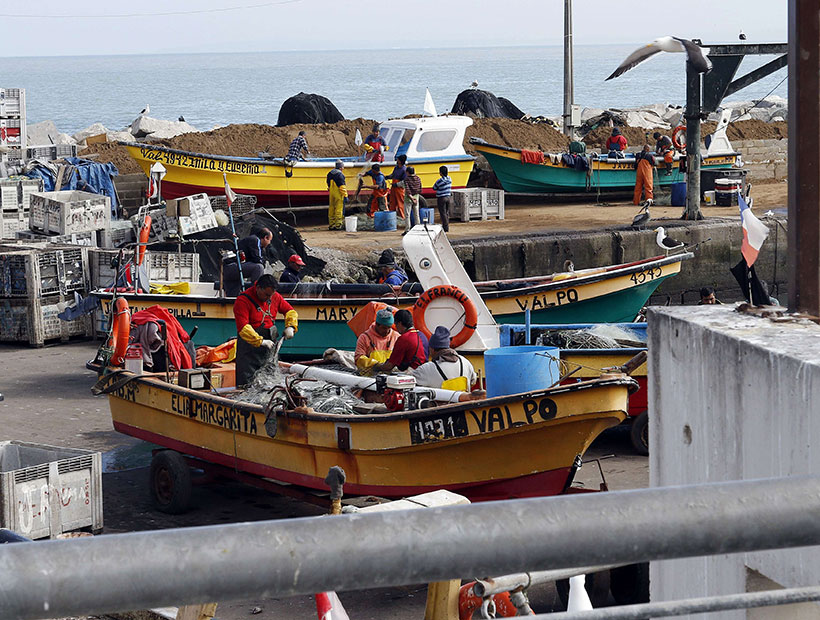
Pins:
x: 229, y: 193
x: 429, y: 106
x: 329, y: 607
x: 358, y: 139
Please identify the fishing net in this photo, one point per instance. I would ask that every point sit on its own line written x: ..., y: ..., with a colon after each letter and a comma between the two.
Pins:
x: 596, y: 337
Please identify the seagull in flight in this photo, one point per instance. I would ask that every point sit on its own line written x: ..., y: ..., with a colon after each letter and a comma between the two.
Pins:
x: 146, y: 110
x: 666, y: 243
x: 643, y: 217
x: 695, y: 54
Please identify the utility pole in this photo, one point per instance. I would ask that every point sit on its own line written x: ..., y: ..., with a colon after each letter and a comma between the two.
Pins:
x: 568, y: 84
x: 804, y: 156
x: 692, y: 115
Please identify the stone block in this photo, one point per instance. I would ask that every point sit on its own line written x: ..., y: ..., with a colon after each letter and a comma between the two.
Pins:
x: 145, y: 126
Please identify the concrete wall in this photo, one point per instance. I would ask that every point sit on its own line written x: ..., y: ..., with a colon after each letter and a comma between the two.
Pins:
x: 764, y: 159
x: 532, y: 255
x: 731, y: 397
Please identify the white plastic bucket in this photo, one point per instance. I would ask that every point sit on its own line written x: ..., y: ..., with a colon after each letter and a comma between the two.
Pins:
x: 709, y: 197
x: 350, y: 223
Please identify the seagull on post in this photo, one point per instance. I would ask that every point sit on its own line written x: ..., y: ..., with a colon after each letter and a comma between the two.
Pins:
x: 643, y: 217
x: 695, y: 54
x: 666, y: 243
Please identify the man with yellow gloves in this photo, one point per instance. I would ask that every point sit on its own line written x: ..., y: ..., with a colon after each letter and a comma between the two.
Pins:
x: 376, y: 343
x: 337, y: 193
x: 255, y: 311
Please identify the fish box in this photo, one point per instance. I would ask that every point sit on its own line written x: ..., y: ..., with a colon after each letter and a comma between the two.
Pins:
x: 50, y: 152
x: 46, y: 491
x: 173, y: 266
x: 69, y: 211
x: 12, y: 223
x: 34, y: 273
x: 194, y: 212
x: 478, y: 203
x: 36, y: 321
x: 11, y: 133
x: 12, y: 102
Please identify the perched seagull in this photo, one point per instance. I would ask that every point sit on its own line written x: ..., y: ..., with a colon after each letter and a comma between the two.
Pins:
x: 146, y: 110
x: 694, y: 54
x: 181, y: 118
x: 474, y: 84
x: 643, y: 217
x: 768, y: 213
x: 569, y: 266
x: 666, y: 243
x: 742, y: 36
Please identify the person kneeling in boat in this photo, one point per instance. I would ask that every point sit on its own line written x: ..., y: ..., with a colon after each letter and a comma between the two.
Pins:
x: 376, y: 343
x: 664, y: 148
x: 616, y: 144
x: 411, y: 349
x: 446, y: 368
x: 391, y: 273
x: 291, y: 273
x: 255, y: 311
x: 253, y: 262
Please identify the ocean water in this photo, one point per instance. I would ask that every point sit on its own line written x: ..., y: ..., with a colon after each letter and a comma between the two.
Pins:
x: 219, y: 89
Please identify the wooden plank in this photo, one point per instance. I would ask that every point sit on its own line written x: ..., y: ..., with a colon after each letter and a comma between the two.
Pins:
x: 206, y: 611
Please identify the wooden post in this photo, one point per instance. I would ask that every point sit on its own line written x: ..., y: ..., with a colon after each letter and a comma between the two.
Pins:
x: 206, y: 611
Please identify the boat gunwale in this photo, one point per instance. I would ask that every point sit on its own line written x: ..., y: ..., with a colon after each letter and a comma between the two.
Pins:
x: 280, y: 161
x: 623, y: 269
x: 155, y: 381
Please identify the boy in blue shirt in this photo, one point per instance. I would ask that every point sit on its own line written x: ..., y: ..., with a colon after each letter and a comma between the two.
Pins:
x: 444, y: 196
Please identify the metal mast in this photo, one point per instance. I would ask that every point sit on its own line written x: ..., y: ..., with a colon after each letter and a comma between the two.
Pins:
x: 568, y: 85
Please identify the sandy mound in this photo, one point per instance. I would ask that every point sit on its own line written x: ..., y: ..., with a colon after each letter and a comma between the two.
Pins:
x: 518, y: 134
x: 738, y: 130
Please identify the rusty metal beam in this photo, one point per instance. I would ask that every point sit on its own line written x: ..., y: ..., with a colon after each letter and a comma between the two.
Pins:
x: 804, y: 156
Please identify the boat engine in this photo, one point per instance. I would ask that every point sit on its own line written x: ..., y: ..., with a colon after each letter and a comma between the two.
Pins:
x: 400, y: 393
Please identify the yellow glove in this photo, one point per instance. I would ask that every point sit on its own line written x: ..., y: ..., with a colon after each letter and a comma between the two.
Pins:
x: 292, y: 320
x: 249, y: 335
x: 367, y: 147
x: 365, y: 364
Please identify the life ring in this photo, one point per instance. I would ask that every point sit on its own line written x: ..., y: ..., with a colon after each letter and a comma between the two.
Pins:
x: 145, y: 232
x: 676, y: 137
x: 447, y: 290
x: 120, y: 332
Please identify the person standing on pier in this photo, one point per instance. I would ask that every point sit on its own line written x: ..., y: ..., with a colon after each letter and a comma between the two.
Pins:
x: 378, y: 199
x: 412, y: 194
x: 337, y: 196
x: 396, y: 199
x: 444, y: 196
x: 645, y: 164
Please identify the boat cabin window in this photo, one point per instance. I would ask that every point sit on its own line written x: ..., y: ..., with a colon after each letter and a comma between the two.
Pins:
x: 406, y: 138
x: 393, y: 138
x: 437, y: 140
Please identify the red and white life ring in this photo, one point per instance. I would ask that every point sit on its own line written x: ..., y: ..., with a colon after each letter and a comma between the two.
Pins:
x: 120, y: 332
x: 447, y: 290
x: 679, y: 137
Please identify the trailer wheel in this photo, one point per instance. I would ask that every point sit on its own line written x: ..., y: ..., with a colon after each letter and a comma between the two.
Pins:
x: 170, y: 482
x: 596, y: 585
x: 630, y: 584
x: 639, y: 433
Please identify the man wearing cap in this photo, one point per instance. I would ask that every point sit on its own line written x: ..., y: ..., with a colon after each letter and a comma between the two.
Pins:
x: 378, y: 199
x: 375, y: 344
x: 390, y: 273
x: 446, y: 368
x: 410, y: 350
x: 337, y: 196
x: 291, y: 273
x: 255, y: 311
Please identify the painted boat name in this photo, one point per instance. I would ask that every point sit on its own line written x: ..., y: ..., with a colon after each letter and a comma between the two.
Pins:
x: 539, y: 302
x: 438, y: 427
x: 201, y: 163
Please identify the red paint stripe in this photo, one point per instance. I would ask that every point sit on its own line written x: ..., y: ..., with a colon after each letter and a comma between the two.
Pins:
x: 535, y: 485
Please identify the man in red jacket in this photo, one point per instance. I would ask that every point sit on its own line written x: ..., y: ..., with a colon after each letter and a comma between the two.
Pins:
x: 255, y: 311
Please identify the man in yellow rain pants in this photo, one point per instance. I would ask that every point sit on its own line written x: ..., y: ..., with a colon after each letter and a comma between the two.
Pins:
x: 337, y: 194
x: 376, y: 343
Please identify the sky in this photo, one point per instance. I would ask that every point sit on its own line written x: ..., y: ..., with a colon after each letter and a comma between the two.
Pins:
x: 88, y: 27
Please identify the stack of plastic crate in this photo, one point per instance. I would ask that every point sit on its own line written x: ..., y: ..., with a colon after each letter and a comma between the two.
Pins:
x: 36, y: 284
x: 15, y: 200
x: 12, y: 125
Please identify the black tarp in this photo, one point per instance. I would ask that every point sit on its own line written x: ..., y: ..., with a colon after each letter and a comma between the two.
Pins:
x: 308, y: 108
x: 484, y: 104
x: 748, y: 280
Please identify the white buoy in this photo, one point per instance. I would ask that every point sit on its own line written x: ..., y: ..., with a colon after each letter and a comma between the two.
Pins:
x: 578, y: 597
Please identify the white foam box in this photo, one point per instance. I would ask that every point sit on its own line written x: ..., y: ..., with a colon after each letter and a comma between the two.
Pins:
x: 69, y: 211
x: 194, y: 212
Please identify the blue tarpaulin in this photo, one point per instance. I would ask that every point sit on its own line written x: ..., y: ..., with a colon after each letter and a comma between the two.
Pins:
x: 88, y: 176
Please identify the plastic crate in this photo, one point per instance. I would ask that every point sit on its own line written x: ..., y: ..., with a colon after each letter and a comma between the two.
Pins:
x: 35, y: 321
x: 14, y: 155
x: 50, y: 152
x: 244, y: 203
x: 12, y: 102
x: 87, y: 239
x: 12, y: 223
x: 122, y: 233
x: 478, y: 204
x: 173, y: 266
x: 102, y: 273
x: 69, y: 211
x: 46, y: 490
x: 10, y: 132
x: 35, y: 273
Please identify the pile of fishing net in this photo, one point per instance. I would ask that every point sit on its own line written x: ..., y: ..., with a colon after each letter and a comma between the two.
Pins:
x: 596, y: 337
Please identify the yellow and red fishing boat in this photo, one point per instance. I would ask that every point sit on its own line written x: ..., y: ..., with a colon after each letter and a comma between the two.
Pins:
x: 520, y: 445
x: 429, y: 143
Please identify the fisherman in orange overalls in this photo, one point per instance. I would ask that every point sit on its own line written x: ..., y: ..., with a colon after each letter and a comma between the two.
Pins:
x: 378, y: 200
x: 645, y: 164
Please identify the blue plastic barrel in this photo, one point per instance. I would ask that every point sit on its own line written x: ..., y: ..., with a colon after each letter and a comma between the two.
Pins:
x: 384, y: 221
x: 513, y: 370
x: 678, y: 194
x: 428, y: 216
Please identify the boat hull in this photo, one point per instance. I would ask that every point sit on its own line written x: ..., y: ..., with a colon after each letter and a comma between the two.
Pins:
x: 521, y: 446
x: 548, y: 177
x: 600, y: 297
x: 273, y: 184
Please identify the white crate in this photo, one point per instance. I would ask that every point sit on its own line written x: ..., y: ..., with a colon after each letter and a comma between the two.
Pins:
x: 27, y: 188
x: 12, y: 223
x: 9, y: 195
x: 35, y: 321
x: 173, y: 266
x: 42, y: 271
x: 11, y: 133
x: 46, y: 491
x: 51, y: 152
x: 69, y: 211
x: 122, y: 233
x: 478, y: 203
x: 12, y: 102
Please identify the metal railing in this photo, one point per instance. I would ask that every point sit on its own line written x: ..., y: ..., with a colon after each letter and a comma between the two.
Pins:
x: 348, y: 552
